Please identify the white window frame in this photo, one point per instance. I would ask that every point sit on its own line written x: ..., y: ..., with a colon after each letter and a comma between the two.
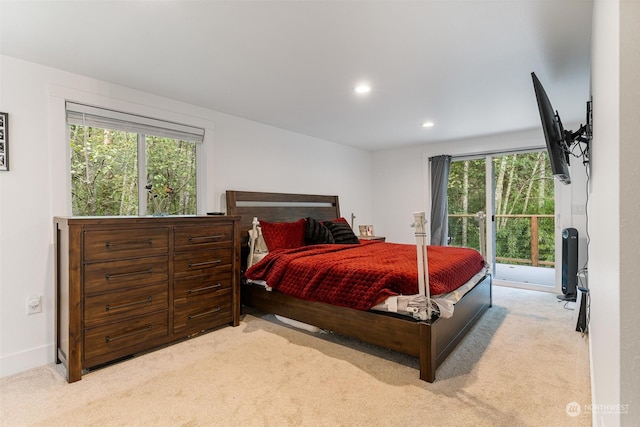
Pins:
x: 91, y: 116
x: 121, y: 99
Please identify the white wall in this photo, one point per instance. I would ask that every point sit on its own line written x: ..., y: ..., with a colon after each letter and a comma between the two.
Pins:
x: 266, y: 158
x: 629, y: 209
x: 604, y: 268
x: 614, y: 267
x: 240, y: 155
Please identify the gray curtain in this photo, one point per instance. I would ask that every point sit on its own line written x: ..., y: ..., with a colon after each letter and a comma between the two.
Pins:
x: 439, y: 207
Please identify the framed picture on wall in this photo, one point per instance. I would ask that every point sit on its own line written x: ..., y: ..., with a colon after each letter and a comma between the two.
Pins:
x: 4, y: 141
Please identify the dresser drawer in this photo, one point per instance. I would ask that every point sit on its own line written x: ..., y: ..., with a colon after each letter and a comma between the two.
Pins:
x: 195, y: 262
x: 199, y: 237
x: 203, y: 314
x: 108, y: 342
x: 115, y: 306
x: 125, y: 243
x: 193, y: 286
x: 109, y: 276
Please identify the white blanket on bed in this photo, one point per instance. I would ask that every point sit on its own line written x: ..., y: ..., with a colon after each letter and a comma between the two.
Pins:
x: 412, y: 304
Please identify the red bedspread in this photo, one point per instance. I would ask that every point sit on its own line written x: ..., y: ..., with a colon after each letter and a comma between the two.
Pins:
x: 361, y: 276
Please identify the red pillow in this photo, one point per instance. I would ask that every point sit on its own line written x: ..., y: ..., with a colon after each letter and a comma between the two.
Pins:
x: 283, y: 235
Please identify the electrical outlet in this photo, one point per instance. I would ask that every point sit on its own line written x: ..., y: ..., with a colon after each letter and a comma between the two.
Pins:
x: 34, y: 305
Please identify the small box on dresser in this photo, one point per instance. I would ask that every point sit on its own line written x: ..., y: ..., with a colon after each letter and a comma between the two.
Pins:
x: 129, y: 284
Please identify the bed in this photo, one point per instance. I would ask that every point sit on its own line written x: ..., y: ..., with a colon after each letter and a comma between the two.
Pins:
x: 430, y: 340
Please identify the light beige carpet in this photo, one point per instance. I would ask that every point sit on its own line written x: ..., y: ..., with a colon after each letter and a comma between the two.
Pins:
x: 522, y: 365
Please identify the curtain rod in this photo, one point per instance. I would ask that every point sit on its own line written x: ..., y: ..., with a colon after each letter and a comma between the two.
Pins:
x: 480, y: 154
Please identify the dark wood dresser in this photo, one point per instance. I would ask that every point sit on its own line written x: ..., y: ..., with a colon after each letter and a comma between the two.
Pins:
x: 129, y: 284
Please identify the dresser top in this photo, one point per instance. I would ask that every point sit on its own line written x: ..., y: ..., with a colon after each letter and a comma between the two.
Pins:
x: 149, y: 219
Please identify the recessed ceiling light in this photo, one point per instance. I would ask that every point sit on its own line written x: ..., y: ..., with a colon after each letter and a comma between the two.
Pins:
x: 428, y: 124
x: 362, y: 88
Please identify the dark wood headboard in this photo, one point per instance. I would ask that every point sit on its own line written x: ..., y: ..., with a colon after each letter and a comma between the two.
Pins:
x: 279, y: 207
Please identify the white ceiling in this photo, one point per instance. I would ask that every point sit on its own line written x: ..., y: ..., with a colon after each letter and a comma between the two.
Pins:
x: 463, y: 64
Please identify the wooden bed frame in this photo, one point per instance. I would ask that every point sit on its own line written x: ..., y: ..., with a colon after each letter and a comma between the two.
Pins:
x: 430, y: 342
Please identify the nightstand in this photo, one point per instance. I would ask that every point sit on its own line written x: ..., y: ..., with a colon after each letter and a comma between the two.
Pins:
x: 380, y: 238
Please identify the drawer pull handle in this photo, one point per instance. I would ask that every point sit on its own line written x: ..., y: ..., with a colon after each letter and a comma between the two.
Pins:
x: 201, y: 238
x: 200, y: 264
x: 132, y: 273
x: 108, y: 339
x: 115, y: 307
x: 149, y: 242
x: 206, y: 313
x: 217, y: 285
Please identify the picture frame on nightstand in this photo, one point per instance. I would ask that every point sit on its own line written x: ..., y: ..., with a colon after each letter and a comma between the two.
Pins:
x: 367, y: 233
x: 366, y: 230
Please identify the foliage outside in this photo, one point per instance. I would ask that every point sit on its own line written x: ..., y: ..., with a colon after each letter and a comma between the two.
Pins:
x: 524, y: 188
x: 104, y: 174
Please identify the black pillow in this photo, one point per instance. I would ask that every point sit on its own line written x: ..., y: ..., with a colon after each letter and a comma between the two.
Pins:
x: 341, y: 232
x: 316, y: 233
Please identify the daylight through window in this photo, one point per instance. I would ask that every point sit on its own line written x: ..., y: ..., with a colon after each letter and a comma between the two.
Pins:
x: 123, y: 164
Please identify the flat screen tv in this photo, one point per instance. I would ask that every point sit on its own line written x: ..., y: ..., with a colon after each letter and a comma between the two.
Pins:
x: 554, y: 134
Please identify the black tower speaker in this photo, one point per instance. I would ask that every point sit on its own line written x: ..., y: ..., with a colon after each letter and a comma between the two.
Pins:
x: 569, y: 264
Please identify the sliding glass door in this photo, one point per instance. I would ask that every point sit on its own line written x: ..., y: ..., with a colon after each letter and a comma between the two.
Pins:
x: 516, y: 190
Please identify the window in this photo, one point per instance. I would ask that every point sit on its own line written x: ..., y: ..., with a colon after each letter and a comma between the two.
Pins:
x: 123, y: 164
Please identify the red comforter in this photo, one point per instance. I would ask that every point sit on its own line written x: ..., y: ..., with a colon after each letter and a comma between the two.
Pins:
x: 361, y: 276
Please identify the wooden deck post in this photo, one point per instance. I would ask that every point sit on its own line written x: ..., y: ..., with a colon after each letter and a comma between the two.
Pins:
x: 534, y: 241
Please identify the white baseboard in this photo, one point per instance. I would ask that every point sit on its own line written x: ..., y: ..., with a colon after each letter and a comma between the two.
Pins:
x: 522, y: 285
x: 15, y: 363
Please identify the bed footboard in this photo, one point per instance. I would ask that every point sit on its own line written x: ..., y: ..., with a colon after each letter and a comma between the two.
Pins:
x: 430, y: 343
x: 447, y: 333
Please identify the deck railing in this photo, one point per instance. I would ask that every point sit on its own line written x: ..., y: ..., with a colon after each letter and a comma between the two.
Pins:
x: 519, y: 238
